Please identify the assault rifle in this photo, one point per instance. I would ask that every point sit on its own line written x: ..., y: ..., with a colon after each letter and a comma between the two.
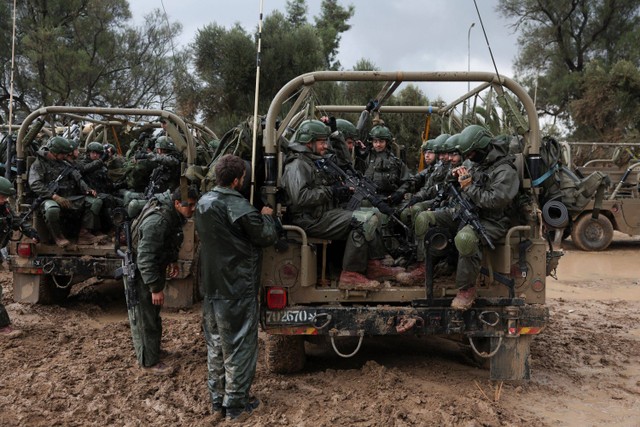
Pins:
x: 467, y: 213
x: 128, y: 269
x: 363, y: 189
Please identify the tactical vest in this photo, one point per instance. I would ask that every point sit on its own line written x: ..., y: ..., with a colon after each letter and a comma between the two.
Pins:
x: 384, y: 170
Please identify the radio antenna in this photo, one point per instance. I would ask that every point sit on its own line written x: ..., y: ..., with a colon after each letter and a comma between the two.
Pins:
x: 486, y: 38
x: 255, y: 110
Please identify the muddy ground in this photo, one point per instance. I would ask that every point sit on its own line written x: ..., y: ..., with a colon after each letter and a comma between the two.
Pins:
x: 75, y: 366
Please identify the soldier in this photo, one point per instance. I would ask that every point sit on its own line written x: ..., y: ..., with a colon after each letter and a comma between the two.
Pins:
x: 63, y: 191
x: 231, y: 279
x: 491, y: 185
x: 157, y: 239
x: 390, y: 175
x: 312, y: 198
x: 96, y: 175
x: 8, y: 224
x: 166, y: 174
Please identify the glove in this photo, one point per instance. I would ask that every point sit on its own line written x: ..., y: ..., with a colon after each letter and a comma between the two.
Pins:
x: 396, y: 197
x: 414, y: 200
x: 64, y: 203
x: 371, y: 105
x: 142, y: 156
x: 465, y: 181
x: 340, y: 192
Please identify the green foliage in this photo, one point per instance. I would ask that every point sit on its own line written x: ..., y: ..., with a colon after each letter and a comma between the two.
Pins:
x: 559, y: 39
x: 76, y: 52
x: 609, y: 109
x: 225, y: 64
x: 331, y: 23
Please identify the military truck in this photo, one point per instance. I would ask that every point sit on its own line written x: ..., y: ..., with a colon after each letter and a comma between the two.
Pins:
x: 300, y: 297
x: 44, y: 272
x: 619, y: 209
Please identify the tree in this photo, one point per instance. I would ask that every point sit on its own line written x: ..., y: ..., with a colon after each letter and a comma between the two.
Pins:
x: 331, y: 23
x: 224, y: 60
x: 78, y: 52
x: 558, y: 39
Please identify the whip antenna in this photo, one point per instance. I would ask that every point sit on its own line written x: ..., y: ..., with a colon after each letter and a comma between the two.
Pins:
x: 255, y: 110
x: 486, y: 39
x: 13, y: 59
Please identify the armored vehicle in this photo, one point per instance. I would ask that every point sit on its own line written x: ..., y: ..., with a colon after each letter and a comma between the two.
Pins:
x: 300, y: 297
x: 44, y: 272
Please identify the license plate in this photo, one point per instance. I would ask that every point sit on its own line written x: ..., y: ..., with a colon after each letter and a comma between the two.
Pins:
x: 291, y: 317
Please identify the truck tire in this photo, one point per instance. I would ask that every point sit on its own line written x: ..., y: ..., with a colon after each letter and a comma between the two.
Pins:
x: 284, y: 353
x: 52, y: 294
x: 591, y: 234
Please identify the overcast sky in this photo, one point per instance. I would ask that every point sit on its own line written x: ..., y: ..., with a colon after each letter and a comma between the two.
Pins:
x: 407, y: 35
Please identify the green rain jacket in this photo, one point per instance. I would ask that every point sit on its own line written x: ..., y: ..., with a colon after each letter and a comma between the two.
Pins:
x: 232, y: 234
x: 159, y: 240
x: 495, y: 184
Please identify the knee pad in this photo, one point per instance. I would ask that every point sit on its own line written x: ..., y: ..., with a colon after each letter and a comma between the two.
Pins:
x: 95, y: 205
x: 466, y: 241
x: 370, y: 221
x: 51, y: 212
x: 423, y: 221
x: 135, y: 207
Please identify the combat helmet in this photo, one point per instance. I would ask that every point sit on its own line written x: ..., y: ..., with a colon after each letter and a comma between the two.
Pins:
x: 438, y: 141
x: 473, y: 137
x: 451, y: 144
x: 165, y: 143
x: 311, y: 130
x: 347, y: 128
x: 381, y: 132
x: 6, y: 187
x: 95, y: 146
x: 60, y: 145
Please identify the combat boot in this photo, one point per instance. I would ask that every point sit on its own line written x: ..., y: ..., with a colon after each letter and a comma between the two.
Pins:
x: 61, y: 241
x: 464, y: 298
x: 351, y: 280
x: 158, y: 369
x: 10, y: 333
x: 413, y: 277
x: 85, y: 237
x: 376, y: 270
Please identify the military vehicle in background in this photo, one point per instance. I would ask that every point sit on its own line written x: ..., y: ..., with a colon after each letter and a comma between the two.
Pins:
x: 300, y: 297
x: 44, y: 272
x: 620, y: 207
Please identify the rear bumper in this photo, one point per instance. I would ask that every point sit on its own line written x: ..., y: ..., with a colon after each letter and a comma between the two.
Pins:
x: 487, y: 318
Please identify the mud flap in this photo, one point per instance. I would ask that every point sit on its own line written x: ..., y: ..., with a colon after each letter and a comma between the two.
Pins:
x: 179, y: 293
x: 511, y: 362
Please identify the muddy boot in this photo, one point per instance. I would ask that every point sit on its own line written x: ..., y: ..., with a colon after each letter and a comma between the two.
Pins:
x: 101, y: 238
x: 60, y: 240
x: 158, y: 369
x: 376, y: 270
x: 10, y: 333
x: 414, y: 277
x: 85, y: 237
x: 464, y: 299
x: 353, y: 281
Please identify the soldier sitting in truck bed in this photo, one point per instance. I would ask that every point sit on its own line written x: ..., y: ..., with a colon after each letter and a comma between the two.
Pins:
x: 312, y: 198
x: 491, y: 185
x: 55, y: 181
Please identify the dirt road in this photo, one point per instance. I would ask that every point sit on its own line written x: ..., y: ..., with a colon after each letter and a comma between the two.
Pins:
x: 75, y: 366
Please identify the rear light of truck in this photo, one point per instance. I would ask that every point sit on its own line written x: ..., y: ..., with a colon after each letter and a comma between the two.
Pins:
x: 276, y: 298
x: 25, y: 250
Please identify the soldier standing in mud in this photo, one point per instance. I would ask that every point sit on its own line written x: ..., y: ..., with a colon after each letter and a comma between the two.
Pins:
x: 157, y: 239
x: 8, y: 224
x: 231, y: 275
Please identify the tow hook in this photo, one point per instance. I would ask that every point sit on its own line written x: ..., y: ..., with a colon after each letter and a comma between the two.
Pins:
x: 406, y: 323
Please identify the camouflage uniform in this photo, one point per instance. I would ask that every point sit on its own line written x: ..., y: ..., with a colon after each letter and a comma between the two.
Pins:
x: 493, y: 189
x: 387, y: 172
x: 159, y: 239
x: 310, y: 201
x: 96, y: 175
x: 231, y: 279
x: 45, y: 171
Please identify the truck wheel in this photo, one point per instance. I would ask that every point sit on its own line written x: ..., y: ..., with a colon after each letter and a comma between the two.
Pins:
x: 52, y: 294
x: 284, y: 353
x: 591, y: 234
